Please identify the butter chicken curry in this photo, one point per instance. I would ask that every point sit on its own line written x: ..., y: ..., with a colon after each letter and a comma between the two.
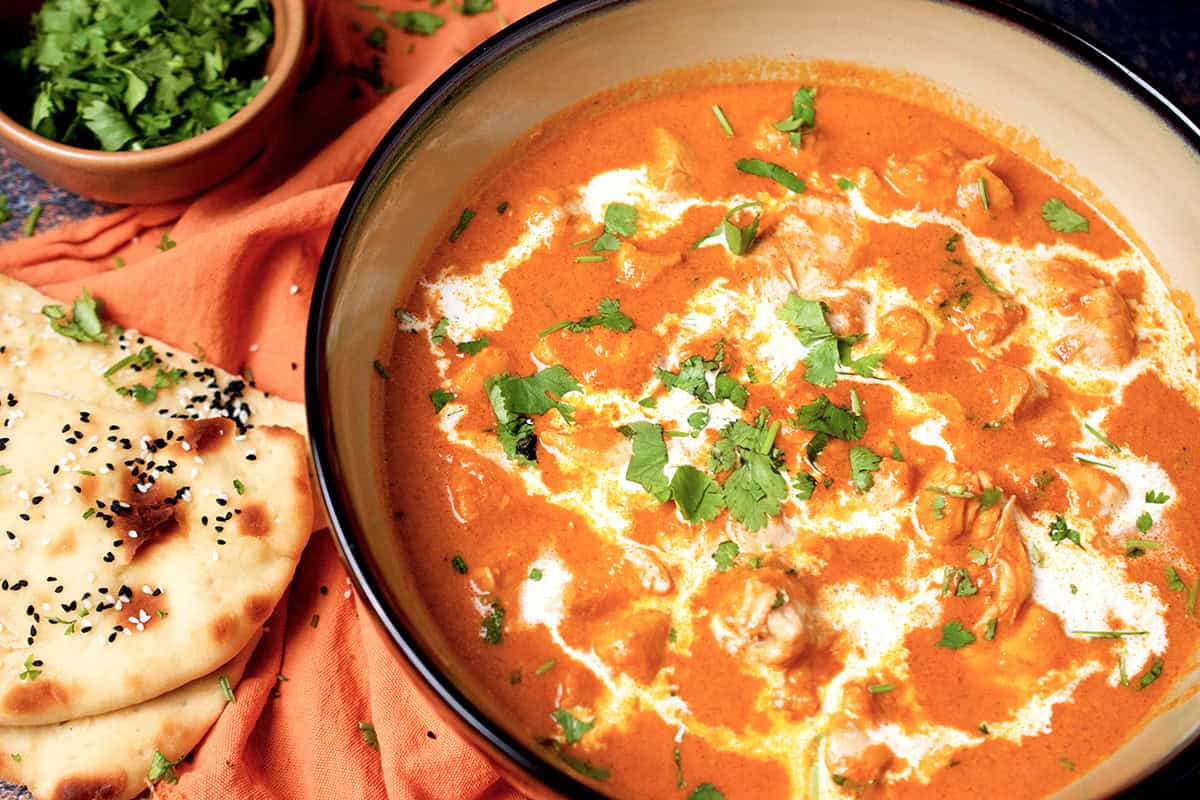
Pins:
x: 771, y: 440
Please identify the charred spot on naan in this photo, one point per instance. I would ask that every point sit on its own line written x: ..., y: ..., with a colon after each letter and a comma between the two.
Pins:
x: 90, y: 787
x: 254, y: 521
x: 207, y: 435
x: 258, y: 607
x: 35, y: 696
x: 144, y: 518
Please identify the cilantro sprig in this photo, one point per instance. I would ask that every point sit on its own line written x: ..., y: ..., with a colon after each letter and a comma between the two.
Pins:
x: 826, y: 350
x: 608, y: 316
x: 515, y: 399
x: 84, y: 325
x: 804, y: 114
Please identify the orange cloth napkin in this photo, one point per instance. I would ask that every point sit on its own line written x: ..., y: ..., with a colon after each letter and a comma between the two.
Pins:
x: 237, y: 283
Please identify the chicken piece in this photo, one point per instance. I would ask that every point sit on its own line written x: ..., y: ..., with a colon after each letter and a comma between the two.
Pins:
x: 945, y: 505
x: 765, y: 622
x: 945, y: 180
x: 1097, y: 322
x: 849, y: 750
x: 1007, y: 564
x: 904, y: 331
x: 484, y: 580
x: 475, y: 370
x: 1022, y: 653
x: 1091, y: 491
x: 637, y: 268
x: 893, y: 485
x: 814, y: 248
x: 987, y: 318
x: 674, y: 164
x: 1010, y: 389
x: 653, y: 574
x: 929, y: 180
x: 579, y: 448
x: 470, y: 493
x: 969, y: 196
x: 847, y: 309
x: 635, y: 643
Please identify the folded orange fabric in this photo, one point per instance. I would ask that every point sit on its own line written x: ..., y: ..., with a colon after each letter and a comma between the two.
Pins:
x: 238, y: 284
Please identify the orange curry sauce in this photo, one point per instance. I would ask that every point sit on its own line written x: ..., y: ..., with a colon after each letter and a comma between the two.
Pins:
x: 758, y: 656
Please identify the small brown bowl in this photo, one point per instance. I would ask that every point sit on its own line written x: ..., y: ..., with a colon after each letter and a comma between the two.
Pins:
x: 175, y: 170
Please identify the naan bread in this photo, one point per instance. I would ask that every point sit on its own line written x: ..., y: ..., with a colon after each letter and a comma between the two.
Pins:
x: 34, y: 357
x: 124, y: 515
x: 108, y: 756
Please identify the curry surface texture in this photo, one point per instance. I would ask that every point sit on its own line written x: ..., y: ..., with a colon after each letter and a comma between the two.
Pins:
x: 713, y: 538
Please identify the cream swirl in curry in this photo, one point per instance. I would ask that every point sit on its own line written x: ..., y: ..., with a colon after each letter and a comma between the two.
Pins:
x: 764, y: 441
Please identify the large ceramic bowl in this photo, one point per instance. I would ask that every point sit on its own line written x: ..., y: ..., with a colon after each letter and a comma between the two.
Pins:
x: 1133, y: 146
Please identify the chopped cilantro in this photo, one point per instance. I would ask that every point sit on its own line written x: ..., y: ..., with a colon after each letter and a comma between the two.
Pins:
x: 421, y: 23
x: 515, y: 399
x: 492, y: 627
x: 648, y: 463
x: 823, y: 416
x: 377, y: 38
x: 1059, y: 530
x: 989, y: 497
x: 845, y: 184
x: 226, y: 689
x: 459, y: 564
x: 545, y: 667
x: 1174, y: 582
x: 881, y: 688
x: 896, y: 454
x: 1158, y: 498
x: 573, y: 728
x: 756, y: 487
x: 739, y: 238
x: 977, y: 555
x: 955, y: 636
x: 952, y: 242
x: 826, y: 351
x: 470, y: 7
x: 990, y: 633
x: 620, y: 221
x: 31, y: 671
x: 472, y: 347
x: 1065, y: 762
x: 535, y: 574
x: 84, y: 325
x: 125, y: 75
x: 804, y: 485
x: 1107, y: 442
x: 609, y: 316
x: 464, y: 220
x: 381, y: 370
x: 1094, y: 462
x: 1061, y: 218
x: 31, y: 221
x: 1151, y: 674
x: 693, y: 379
x: 1136, y: 548
x: 439, y: 398
x: 502, y: 207
x: 369, y: 737
x: 722, y: 120
x: 705, y: 791
x: 983, y: 276
x: 437, y: 334
x: 725, y: 554
x: 803, y: 116
x: 579, y: 765
x: 863, y: 461
x: 163, y: 768
x: 696, y: 495
x: 765, y: 169
x: 1108, y: 634
x: 983, y: 195
x: 5, y: 213
x: 1144, y: 521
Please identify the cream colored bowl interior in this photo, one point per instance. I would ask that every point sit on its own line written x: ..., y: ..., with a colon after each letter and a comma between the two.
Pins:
x: 1135, y: 160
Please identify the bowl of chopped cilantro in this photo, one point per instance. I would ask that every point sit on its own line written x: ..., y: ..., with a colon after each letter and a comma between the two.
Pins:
x: 145, y: 101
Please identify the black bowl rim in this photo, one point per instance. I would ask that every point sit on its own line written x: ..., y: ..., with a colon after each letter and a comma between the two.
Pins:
x: 342, y: 519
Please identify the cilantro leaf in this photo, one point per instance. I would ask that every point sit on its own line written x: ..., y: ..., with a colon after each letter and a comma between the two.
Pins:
x: 705, y: 791
x: 1144, y: 521
x: 804, y: 485
x: 755, y: 490
x: 693, y: 379
x: 620, y: 220
x: 472, y: 347
x: 697, y: 495
x: 823, y: 416
x: 739, y: 238
x: 1061, y: 218
x: 609, y: 316
x: 573, y: 728
x: 464, y: 219
x: 1059, y: 530
x: 955, y: 636
x: 369, y: 737
x: 725, y: 554
x: 1174, y: 582
x: 1158, y: 498
x: 863, y: 461
x: 514, y: 400
x: 1151, y: 674
x: 162, y: 768
x: 85, y: 325
x: 989, y: 497
x: 648, y: 464
x: 826, y: 351
x: 422, y: 23
x: 577, y: 764
x: 470, y: 7
x: 439, y: 398
x: 766, y: 169
x: 437, y: 334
